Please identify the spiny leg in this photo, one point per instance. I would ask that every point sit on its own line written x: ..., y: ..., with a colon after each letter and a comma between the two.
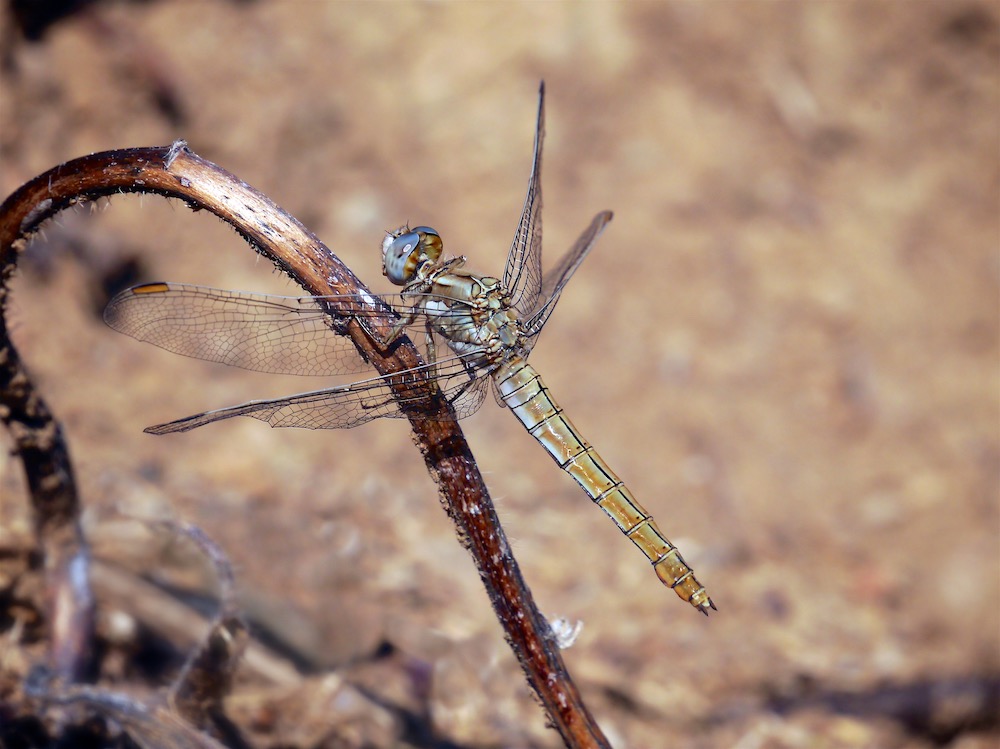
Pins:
x: 431, y: 352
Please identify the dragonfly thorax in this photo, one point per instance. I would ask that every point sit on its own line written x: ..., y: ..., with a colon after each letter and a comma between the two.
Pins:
x: 405, y: 251
x: 474, y: 315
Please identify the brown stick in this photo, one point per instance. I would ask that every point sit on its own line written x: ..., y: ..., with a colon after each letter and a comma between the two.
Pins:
x: 39, y: 441
x: 176, y: 172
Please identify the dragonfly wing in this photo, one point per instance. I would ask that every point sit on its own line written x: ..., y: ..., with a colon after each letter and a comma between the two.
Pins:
x: 522, y: 275
x: 557, y: 277
x: 259, y: 332
x: 352, y: 405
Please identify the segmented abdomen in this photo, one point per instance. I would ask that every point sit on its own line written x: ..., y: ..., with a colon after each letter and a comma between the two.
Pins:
x: 523, y: 390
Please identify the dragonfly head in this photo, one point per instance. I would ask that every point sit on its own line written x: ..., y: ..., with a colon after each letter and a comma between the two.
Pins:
x: 406, y: 250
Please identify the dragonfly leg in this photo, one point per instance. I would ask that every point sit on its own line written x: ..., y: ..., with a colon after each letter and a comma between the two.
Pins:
x: 470, y: 369
x: 417, y: 289
x: 384, y: 342
x: 459, y: 392
x: 397, y: 329
x: 431, y: 352
x: 449, y: 266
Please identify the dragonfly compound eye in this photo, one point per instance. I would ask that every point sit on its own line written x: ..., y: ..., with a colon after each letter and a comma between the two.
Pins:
x: 430, y: 242
x: 401, y: 255
x: 405, y: 250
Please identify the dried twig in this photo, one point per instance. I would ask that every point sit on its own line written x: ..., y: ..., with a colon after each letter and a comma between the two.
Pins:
x: 176, y: 172
x: 190, y: 714
x: 154, y: 726
x: 198, y: 692
x: 175, y: 621
x: 39, y: 442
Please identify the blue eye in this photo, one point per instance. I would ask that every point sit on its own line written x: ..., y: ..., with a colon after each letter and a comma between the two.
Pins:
x: 404, y: 244
x: 400, y: 255
x: 406, y: 250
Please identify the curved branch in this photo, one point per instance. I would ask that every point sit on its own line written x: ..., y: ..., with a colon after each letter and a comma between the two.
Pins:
x: 177, y: 172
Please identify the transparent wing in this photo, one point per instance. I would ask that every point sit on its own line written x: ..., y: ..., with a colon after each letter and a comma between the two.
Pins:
x: 259, y: 332
x: 355, y: 404
x: 522, y: 275
x: 557, y: 277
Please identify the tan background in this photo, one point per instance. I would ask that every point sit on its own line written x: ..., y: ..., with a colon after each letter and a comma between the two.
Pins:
x: 786, y: 341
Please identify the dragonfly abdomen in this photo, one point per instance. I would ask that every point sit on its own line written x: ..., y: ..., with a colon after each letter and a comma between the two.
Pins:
x: 523, y: 390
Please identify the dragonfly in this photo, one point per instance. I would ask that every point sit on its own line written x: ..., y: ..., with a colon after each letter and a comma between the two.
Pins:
x: 475, y: 330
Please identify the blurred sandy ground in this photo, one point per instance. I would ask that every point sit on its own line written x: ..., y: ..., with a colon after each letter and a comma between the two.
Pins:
x: 786, y: 341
